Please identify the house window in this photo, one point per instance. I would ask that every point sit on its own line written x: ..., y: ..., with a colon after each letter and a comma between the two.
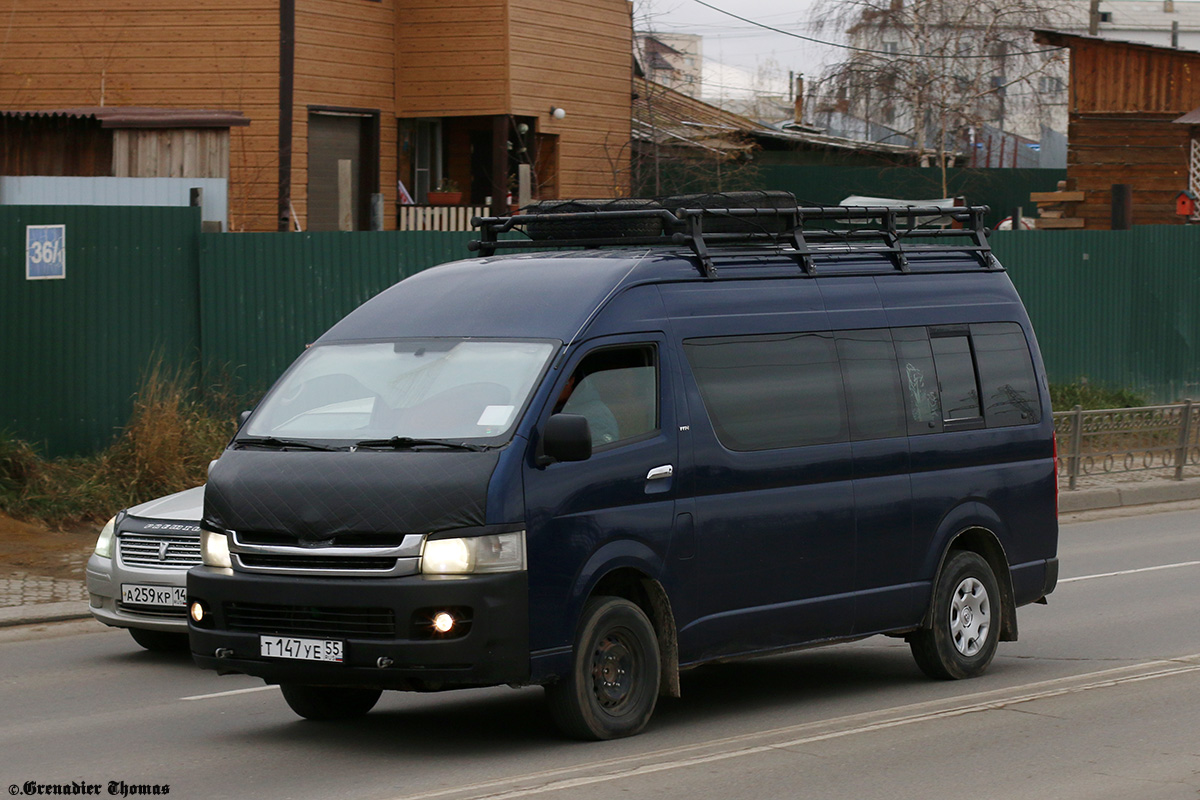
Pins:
x: 427, y: 158
x: 1050, y: 84
x: 891, y: 48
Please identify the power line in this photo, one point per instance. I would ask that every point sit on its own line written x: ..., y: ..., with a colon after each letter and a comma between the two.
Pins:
x: 864, y: 49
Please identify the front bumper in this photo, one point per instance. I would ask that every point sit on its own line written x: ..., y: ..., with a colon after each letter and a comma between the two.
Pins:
x: 492, y: 649
x: 104, y: 579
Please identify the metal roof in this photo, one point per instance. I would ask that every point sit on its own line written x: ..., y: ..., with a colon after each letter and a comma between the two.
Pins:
x: 140, y: 117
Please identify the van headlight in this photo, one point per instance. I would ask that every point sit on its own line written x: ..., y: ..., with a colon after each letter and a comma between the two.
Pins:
x: 214, y: 549
x: 474, y: 555
x: 104, y: 544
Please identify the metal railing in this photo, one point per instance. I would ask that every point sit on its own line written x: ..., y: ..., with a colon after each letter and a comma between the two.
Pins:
x: 1118, y: 440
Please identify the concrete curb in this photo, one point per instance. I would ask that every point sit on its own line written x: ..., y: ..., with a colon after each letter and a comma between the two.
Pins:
x: 1138, y: 495
x: 43, y: 612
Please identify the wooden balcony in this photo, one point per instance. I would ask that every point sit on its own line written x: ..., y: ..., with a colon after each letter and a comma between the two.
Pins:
x: 439, y: 218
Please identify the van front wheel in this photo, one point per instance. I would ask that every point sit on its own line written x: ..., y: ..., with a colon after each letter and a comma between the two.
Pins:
x: 966, y: 621
x: 613, y: 684
x: 329, y: 702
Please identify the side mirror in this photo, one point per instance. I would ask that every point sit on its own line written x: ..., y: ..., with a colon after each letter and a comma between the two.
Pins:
x: 567, y: 437
x: 242, y: 417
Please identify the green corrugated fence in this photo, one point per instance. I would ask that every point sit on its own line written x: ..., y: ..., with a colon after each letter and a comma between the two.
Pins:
x: 1117, y: 307
x: 1121, y: 308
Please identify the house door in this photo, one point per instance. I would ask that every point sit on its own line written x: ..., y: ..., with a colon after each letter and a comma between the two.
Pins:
x: 341, y: 169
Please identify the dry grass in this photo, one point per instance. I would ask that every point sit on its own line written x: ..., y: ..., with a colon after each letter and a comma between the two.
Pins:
x: 173, y: 432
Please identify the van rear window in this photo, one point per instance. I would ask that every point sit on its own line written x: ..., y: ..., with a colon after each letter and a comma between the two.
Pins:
x: 1010, y: 395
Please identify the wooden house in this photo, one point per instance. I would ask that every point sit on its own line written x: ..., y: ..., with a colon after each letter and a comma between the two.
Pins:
x: 1129, y: 124
x: 350, y: 100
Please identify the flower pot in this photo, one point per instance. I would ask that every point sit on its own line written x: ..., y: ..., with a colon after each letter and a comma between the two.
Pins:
x: 444, y: 198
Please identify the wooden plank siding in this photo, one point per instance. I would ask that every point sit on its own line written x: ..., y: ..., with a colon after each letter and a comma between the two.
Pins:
x: 577, y: 55
x: 452, y: 58
x: 345, y: 58
x: 218, y: 54
x: 1125, y: 78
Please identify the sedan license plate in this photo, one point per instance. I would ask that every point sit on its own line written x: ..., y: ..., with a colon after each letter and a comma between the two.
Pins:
x: 141, y: 594
x: 300, y: 649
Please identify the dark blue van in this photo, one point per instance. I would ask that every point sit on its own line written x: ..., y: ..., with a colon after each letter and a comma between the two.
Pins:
x: 710, y: 433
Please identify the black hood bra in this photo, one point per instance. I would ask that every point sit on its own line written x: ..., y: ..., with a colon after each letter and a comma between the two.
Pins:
x: 316, y: 496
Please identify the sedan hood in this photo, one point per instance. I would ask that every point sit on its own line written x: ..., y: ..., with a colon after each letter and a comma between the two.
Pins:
x: 185, y: 505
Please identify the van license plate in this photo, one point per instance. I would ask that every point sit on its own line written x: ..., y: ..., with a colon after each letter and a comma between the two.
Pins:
x: 300, y: 649
x: 140, y: 594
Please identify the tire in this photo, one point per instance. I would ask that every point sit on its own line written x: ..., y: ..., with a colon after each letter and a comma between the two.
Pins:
x: 160, y: 641
x: 329, y: 702
x: 966, y: 621
x: 613, y: 684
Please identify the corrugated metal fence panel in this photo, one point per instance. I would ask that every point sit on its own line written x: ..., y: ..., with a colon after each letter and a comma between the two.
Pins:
x: 1115, y: 307
x: 73, y: 351
x: 265, y: 295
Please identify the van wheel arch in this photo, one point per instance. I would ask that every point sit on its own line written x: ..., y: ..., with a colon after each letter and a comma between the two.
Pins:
x: 985, y: 544
x: 650, y: 596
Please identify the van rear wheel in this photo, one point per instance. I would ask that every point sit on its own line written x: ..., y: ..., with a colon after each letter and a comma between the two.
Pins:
x: 966, y: 621
x: 615, y: 673
x: 329, y: 702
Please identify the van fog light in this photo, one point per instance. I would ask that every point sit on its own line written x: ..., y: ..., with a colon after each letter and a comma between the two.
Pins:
x: 196, y: 611
x: 443, y: 622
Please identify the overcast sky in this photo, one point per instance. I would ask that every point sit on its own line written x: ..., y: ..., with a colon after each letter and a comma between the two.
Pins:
x: 737, y: 43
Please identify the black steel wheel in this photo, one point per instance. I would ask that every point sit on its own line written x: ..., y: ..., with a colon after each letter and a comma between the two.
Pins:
x: 966, y: 621
x: 160, y: 641
x: 329, y: 702
x: 613, y: 685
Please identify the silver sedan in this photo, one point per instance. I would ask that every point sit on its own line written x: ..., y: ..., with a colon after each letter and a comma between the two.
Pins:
x: 137, y: 577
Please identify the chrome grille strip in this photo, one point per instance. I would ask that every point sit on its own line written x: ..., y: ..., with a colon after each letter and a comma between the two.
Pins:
x: 386, y: 560
x: 147, y: 550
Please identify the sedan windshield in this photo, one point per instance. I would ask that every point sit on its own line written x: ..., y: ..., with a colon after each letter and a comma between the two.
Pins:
x: 411, y: 390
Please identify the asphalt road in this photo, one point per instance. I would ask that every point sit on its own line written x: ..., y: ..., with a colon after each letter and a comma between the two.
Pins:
x: 1099, y: 699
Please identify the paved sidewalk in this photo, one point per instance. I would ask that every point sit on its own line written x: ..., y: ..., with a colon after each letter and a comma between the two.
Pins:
x: 32, y: 599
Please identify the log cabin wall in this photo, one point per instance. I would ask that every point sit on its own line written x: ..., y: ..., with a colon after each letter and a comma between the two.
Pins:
x: 217, y: 54
x: 1124, y: 97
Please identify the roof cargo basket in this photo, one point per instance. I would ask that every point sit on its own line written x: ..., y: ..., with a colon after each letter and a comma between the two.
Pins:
x: 755, y: 220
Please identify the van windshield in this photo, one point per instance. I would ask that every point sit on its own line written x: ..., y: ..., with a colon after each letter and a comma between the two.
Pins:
x: 420, y: 389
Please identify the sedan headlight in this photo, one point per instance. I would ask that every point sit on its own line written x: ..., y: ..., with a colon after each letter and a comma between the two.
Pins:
x: 473, y: 555
x: 104, y: 544
x: 214, y: 549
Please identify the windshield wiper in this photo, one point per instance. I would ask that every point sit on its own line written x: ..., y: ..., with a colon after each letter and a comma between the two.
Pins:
x: 407, y: 442
x: 276, y: 443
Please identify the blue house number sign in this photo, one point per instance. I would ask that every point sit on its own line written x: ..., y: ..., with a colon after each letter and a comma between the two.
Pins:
x: 45, y: 252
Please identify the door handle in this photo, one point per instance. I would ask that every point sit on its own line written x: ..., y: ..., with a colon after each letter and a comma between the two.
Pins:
x: 658, y: 473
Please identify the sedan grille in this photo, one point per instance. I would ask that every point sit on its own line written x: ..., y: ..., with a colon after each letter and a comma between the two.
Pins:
x: 363, y: 623
x: 159, y: 551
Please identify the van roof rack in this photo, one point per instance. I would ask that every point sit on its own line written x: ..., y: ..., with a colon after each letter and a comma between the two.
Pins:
x: 898, y: 231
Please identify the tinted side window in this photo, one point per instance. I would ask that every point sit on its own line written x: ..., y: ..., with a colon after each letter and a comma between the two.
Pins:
x: 617, y: 390
x: 764, y: 392
x: 1006, y: 378
x: 917, y: 373
x: 873, y: 395
x: 956, y: 377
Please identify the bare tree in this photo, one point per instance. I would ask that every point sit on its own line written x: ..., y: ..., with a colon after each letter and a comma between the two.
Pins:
x: 933, y: 70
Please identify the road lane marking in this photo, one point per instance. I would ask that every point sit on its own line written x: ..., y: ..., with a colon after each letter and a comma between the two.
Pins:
x: 633, y: 766
x: 1130, y: 571
x: 230, y: 693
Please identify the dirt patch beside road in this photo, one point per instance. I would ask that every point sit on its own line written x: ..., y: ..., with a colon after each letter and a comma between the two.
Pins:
x: 34, y: 550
